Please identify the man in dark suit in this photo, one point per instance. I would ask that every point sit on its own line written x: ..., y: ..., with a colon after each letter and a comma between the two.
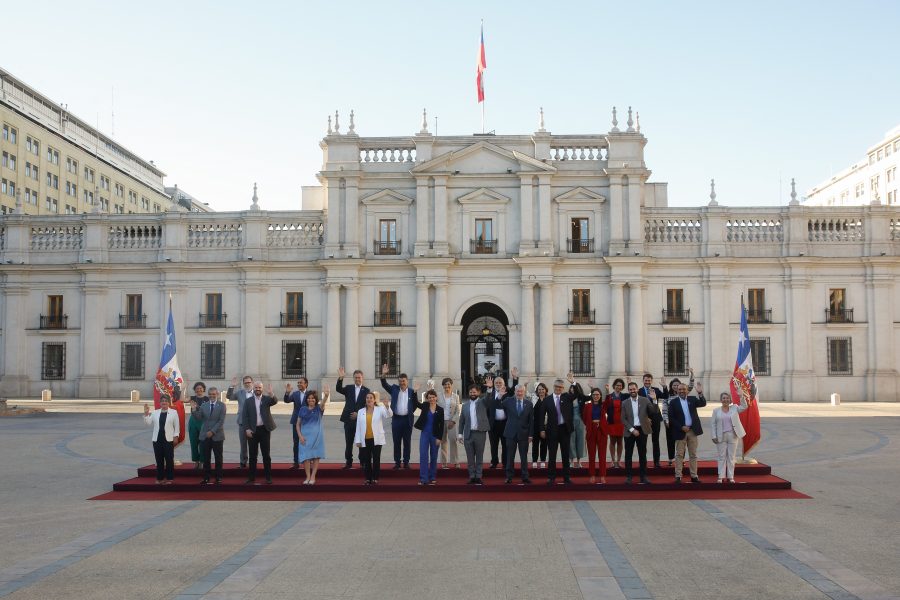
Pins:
x: 212, y: 432
x: 685, y: 424
x: 657, y: 397
x: 518, y: 430
x: 354, y: 401
x: 494, y: 397
x: 636, y: 419
x: 298, y: 399
x: 258, y: 427
x: 557, y: 413
x: 404, y: 408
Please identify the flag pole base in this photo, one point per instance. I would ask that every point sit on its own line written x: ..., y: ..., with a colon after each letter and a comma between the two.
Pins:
x: 747, y: 461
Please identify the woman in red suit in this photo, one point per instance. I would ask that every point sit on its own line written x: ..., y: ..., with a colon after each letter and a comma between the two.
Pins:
x: 594, y: 418
x: 615, y: 428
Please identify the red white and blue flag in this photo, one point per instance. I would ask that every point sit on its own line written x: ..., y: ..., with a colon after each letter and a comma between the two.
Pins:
x: 169, y: 375
x: 743, y: 382
x: 482, y: 65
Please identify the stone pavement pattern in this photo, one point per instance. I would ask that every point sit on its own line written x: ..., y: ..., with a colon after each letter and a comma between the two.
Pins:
x: 843, y: 543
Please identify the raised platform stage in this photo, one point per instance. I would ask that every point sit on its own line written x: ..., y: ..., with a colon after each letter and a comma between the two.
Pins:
x: 337, y: 484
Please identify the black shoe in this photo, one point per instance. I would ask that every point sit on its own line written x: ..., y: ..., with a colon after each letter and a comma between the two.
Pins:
x: 550, y: 481
x: 243, y: 465
x: 397, y: 467
x: 295, y: 467
x: 628, y: 481
x: 493, y: 466
x: 268, y: 481
x: 348, y: 466
x: 656, y: 465
x: 508, y: 480
x: 567, y: 481
x: 367, y: 482
x: 678, y: 481
x: 478, y: 481
x: 250, y: 481
x: 645, y: 481
x: 695, y: 480
x: 405, y: 465
x: 526, y: 481
x: 471, y: 481
x: 218, y: 481
x: 204, y: 481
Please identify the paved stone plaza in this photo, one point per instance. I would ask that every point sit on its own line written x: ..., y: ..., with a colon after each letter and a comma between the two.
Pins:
x: 55, y: 543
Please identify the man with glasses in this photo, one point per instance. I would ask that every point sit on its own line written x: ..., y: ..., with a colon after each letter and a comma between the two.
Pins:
x: 241, y: 396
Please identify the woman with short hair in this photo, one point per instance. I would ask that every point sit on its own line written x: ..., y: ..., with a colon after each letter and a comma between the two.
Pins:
x: 311, y: 433
x: 431, y: 424
x: 369, y: 436
x: 538, y: 444
x: 615, y: 427
x: 166, y: 426
x: 727, y: 429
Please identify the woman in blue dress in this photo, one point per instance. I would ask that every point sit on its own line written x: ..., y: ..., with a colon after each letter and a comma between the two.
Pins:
x: 311, y: 433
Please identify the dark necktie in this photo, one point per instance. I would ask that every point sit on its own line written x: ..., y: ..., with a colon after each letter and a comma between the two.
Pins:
x: 519, y: 408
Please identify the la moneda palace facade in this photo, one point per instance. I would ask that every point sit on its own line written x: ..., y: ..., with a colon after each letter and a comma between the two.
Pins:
x: 455, y: 255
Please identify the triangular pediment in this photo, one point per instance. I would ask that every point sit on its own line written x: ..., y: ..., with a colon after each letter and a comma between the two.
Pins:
x: 387, y: 197
x: 480, y: 158
x: 483, y: 196
x: 581, y: 194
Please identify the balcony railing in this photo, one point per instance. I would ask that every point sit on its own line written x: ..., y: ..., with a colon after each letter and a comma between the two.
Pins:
x: 387, y: 246
x: 839, y: 315
x: 580, y: 246
x: 132, y: 321
x: 387, y: 319
x: 483, y: 246
x: 763, y: 315
x: 582, y: 317
x: 54, y: 321
x: 217, y: 320
x: 676, y: 317
x: 294, y: 319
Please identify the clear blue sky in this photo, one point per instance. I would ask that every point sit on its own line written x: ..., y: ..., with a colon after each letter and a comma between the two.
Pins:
x: 222, y: 94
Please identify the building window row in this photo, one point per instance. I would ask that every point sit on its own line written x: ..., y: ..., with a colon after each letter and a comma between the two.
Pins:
x: 10, y: 134
x: 9, y: 161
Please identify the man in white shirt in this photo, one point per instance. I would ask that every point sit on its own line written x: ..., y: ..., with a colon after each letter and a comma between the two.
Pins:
x: 685, y: 423
x: 473, y: 427
x: 636, y: 419
x: 404, y: 408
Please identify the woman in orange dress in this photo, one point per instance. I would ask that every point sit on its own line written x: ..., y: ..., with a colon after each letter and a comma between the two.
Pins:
x: 615, y: 428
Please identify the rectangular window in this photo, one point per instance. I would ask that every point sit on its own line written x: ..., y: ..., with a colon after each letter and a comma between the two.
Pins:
x: 837, y: 310
x: 104, y: 182
x: 71, y: 165
x: 756, y: 306
x: 293, y: 359
x: 581, y: 357
x: 581, y: 241
x: 840, y: 356
x: 214, y: 316
x: 134, y: 306
x: 387, y: 309
x: 55, y: 307
x: 484, y: 242
x: 387, y: 242
x: 581, y: 307
x: 759, y: 350
x: 120, y: 191
x: 212, y: 360
x: 53, y: 360
x: 52, y: 156
x: 387, y: 352
x: 132, y: 360
x: 675, y: 356
x: 675, y: 312
x: 293, y: 315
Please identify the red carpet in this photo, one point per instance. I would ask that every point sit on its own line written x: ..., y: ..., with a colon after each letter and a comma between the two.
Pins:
x: 337, y: 484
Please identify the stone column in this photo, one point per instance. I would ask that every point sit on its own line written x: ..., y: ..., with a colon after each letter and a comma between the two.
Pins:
x: 544, y: 216
x: 636, y: 329
x: 351, y: 214
x: 422, y: 201
x: 719, y: 349
x: 617, y: 328
x: 14, y: 381
x: 351, y: 329
x: 799, y: 378
x: 253, y: 328
x: 526, y: 359
x: 423, y: 354
x: 441, y: 322
x: 546, y: 340
x: 332, y: 330
x: 881, y: 373
x: 526, y: 215
x: 92, y: 381
x: 333, y: 224
x: 616, y: 241
x: 440, y: 213
x: 635, y: 227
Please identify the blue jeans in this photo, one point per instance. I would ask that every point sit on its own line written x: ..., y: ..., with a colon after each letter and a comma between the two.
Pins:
x: 428, y: 455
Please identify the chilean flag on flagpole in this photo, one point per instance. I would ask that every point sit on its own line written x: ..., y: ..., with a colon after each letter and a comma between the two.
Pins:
x: 743, y: 382
x: 482, y: 65
x: 169, y: 376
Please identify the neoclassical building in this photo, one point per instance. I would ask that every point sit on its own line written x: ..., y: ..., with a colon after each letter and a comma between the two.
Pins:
x: 453, y: 255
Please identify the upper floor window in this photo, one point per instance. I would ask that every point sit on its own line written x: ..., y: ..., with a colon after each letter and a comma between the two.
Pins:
x: 214, y: 316
x: 581, y: 313
x: 837, y: 311
x: 10, y: 134
x: 756, y: 306
x: 675, y: 311
x: 71, y: 165
x: 387, y: 242
x: 52, y: 156
x: 387, y: 309
x: 484, y: 242
x: 581, y: 240
x: 293, y: 316
x: 89, y: 174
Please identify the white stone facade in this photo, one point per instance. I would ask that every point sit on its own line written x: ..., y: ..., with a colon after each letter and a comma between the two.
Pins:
x: 500, y: 233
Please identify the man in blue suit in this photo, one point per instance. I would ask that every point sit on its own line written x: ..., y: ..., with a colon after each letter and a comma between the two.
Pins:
x: 685, y: 423
x: 354, y: 401
x: 298, y: 398
x: 212, y: 432
x: 518, y: 431
x: 403, y: 408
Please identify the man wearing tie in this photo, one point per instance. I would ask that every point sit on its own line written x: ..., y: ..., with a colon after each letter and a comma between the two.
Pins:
x: 685, y: 424
x: 519, y: 426
x: 241, y: 395
x: 299, y: 399
x: 402, y: 421
x: 473, y: 426
x: 636, y: 420
x: 556, y: 427
x: 354, y: 401
x: 211, y: 416
x: 258, y: 427
x: 658, y: 406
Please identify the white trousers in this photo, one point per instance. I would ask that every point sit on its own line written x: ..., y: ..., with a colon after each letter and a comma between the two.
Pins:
x: 726, y: 448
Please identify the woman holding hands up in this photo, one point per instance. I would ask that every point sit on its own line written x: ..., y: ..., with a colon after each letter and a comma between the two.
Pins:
x: 369, y: 436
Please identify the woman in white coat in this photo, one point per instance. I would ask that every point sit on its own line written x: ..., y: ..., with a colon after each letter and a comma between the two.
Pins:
x: 370, y: 435
x: 165, y: 431
x: 726, y: 431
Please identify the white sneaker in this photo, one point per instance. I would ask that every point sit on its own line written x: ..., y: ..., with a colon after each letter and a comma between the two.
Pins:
x: 534, y: 465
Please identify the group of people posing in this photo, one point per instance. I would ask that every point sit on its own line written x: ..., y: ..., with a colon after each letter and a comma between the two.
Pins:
x: 568, y: 423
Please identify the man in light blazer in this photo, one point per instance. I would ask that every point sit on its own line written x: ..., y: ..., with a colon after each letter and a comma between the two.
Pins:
x: 518, y: 430
x: 240, y: 395
x: 638, y: 426
x: 258, y: 427
x: 685, y: 424
x: 212, y: 432
x: 472, y: 430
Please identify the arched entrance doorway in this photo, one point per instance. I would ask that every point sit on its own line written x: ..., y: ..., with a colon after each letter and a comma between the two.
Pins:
x: 484, y: 343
